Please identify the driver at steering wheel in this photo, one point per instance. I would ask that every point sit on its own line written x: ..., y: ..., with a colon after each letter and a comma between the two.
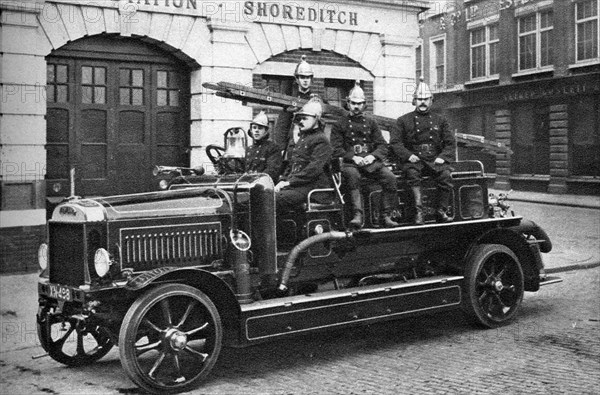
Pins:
x: 263, y: 156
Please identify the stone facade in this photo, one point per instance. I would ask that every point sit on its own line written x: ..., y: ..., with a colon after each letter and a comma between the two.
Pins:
x: 220, y: 41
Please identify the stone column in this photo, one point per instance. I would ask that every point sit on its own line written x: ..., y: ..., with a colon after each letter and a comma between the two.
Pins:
x: 503, y: 161
x: 227, y: 57
x: 559, y: 149
x: 22, y: 135
x: 394, y: 81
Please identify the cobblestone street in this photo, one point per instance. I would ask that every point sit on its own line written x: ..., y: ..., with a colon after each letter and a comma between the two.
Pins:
x: 552, y: 347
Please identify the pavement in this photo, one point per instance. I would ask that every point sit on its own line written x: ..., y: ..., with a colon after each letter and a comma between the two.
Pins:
x: 562, y: 259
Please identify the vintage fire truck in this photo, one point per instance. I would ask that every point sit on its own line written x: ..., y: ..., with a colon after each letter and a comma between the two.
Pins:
x: 174, y: 275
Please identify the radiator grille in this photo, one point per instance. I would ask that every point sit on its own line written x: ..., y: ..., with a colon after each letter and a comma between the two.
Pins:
x: 67, y: 253
x: 179, y: 245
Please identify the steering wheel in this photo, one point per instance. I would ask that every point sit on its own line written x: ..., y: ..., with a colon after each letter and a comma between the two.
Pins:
x: 223, y: 165
x: 215, y: 153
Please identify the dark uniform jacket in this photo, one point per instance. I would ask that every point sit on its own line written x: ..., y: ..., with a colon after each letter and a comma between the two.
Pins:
x: 426, y: 135
x: 360, y: 136
x: 264, y: 157
x: 311, y: 154
x: 283, y: 127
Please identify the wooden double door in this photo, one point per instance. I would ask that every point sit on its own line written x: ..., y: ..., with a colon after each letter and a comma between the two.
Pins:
x: 114, y: 110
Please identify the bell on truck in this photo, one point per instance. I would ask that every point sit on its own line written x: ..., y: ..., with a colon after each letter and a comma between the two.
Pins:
x: 235, y: 143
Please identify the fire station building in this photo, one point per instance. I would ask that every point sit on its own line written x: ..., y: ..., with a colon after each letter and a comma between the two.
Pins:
x: 525, y: 73
x: 105, y: 90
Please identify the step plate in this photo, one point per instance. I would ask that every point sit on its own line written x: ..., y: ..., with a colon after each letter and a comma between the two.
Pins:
x: 348, y: 307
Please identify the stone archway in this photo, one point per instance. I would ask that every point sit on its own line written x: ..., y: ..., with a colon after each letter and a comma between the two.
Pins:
x: 115, y: 108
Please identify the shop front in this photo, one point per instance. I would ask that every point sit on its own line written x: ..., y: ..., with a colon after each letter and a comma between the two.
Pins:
x: 552, y: 125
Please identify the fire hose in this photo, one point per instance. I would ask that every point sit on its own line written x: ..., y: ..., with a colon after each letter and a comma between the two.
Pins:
x: 304, y: 245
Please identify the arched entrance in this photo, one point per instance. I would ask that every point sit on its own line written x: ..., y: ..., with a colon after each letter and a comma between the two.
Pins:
x: 115, y: 108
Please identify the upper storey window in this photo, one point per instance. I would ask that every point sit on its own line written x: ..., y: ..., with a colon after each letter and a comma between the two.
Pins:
x: 535, y: 40
x: 484, y: 51
x: 586, y: 30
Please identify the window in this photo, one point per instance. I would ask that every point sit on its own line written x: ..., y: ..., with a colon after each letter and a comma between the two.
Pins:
x: 479, y: 121
x: 531, y: 139
x: 93, y: 85
x: 535, y: 40
x: 484, y: 52
x: 586, y: 31
x: 168, y: 89
x: 437, y: 73
x: 131, y: 87
x: 57, y: 83
x: 336, y: 91
x: 419, y: 62
x: 584, y: 136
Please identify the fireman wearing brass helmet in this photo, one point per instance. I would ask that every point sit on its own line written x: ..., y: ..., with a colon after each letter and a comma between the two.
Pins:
x: 286, y: 132
x: 424, y: 144
x: 263, y: 156
x: 358, y: 141
x: 309, y: 157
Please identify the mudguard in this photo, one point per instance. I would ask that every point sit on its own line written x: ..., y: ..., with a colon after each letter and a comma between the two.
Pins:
x: 215, y: 287
x: 529, y: 227
x: 528, y: 253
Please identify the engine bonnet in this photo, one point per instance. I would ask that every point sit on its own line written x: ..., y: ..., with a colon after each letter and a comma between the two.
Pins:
x: 182, y: 202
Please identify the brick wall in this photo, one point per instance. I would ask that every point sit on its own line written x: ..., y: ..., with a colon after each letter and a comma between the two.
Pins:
x: 326, y: 58
x: 18, y: 248
x: 559, y: 149
x: 278, y: 83
x: 503, y: 135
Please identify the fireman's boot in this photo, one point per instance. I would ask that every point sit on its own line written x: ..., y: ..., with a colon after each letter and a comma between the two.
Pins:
x: 441, y: 215
x: 357, y: 208
x: 389, y: 198
x: 419, y: 220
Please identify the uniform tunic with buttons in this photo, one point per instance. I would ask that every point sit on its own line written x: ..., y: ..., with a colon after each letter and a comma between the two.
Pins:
x: 264, y: 157
x: 305, y: 171
x: 353, y: 130
x: 428, y: 136
x: 358, y: 135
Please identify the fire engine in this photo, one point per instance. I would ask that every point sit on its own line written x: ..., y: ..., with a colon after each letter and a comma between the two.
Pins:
x: 172, y: 276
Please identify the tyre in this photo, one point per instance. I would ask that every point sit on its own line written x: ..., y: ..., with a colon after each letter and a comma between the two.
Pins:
x: 71, y: 341
x: 170, y: 339
x: 493, y: 285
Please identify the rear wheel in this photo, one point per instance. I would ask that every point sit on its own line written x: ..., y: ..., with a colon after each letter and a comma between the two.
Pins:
x: 493, y: 285
x: 170, y: 339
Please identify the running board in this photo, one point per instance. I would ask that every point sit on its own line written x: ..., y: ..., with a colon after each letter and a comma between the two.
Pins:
x: 359, y: 305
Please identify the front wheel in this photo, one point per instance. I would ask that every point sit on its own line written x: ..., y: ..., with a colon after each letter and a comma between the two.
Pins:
x: 170, y: 339
x: 72, y: 341
x: 493, y: 285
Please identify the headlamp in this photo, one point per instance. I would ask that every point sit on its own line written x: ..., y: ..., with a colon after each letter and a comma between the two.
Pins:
x: 43, y: 256
x: 102, y: 262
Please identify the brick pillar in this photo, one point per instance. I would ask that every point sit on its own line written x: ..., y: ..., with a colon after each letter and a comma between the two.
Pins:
x: 559, y: 149
x: 503, y: 161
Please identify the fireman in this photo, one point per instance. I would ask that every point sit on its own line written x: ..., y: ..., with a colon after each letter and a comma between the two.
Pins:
x: 310, y: 156
x: 358, y: 141
x: 262, y: 156
x: 286, y: 133
x: 424, y: 144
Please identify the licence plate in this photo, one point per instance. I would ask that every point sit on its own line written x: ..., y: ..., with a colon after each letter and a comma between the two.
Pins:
x: 60, y: 293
